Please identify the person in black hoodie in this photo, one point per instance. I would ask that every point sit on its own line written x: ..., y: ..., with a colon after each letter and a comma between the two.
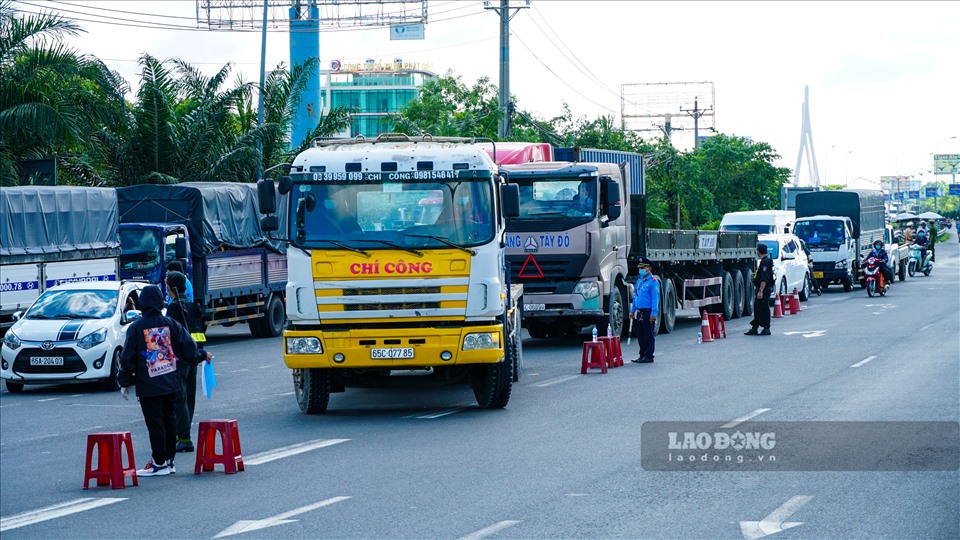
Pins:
x: 154, y: 347
x: 187, y: 314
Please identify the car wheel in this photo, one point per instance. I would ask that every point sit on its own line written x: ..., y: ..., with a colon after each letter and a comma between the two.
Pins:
x: 805, y: 291
x: 14, y: 387
x: 112, y: 383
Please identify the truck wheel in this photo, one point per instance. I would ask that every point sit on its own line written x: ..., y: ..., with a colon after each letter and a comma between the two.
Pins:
x: 739, y: 300
x: 847, y: 284
x: 728, y: 296
x: 515, y: 345
x: 14, y: 387
x: 274, y: 318
x: 614, y: 312
x: 492, y: 383
x: 312, y: 388
x: 536, y: 330
x: 748, y: 291
x: 902, y: 272
x: 111, y: 383
x: 668, y: 306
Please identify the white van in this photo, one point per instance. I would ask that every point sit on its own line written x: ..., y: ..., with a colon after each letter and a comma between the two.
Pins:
x: 760, y: 221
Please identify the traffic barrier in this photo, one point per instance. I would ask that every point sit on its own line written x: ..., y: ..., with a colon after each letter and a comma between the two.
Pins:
x: 795, y: 306
x: 207, y: 457
x: 612, y: 350
x: 717, y: 327
x: 110, y: 470
x: 594, y: 356
x: 777, y: 310
x: 705, y: 328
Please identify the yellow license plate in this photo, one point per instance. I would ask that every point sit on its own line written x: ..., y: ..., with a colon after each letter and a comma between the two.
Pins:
x: 818, y: 275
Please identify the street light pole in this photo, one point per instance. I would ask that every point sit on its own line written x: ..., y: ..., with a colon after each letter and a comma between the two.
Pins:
x: 953, y: 173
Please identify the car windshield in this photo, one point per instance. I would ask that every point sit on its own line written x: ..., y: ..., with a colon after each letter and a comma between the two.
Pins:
x: 140, y: 249
x: 820, y: 232
x: 74, y: 304
x: 773, y: 248
x: 404, y: 215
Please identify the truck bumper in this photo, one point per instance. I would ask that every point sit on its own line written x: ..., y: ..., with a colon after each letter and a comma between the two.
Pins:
x: 430, y: 346
x: 547, y: 307
x: 830, y: 274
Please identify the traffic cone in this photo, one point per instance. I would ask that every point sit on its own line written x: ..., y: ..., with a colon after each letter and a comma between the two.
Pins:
x: 705, y: 328
x: 796, y: 301
x: 777, y: 310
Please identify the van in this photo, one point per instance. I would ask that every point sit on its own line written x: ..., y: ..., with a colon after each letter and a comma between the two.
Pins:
x: 760, y: 221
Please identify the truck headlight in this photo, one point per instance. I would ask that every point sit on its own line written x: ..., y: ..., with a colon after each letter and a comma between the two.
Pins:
x: 93, y: 339
x: 589, y: 289
x: 840, y: 265
x: 11, y: 341
x: 486, y: 340
x: 303, y: 345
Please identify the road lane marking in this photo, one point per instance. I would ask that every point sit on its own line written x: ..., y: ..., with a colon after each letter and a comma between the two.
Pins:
x: 742, y: 419
x: 292, y: 450
x: 11, y: 405
x: 438, y: 414
x: 266, y: 366
x: 48, y: 399
x: 776, y: 521
x: 55, y: 511
x: 556, y: 380
x: 239, y: 370
x: 493, y: 529
x: 249, y: 525
x: 927, y: 326
x: 864, y: 361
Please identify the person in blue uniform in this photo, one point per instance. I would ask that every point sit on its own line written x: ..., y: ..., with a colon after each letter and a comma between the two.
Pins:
x: 645, y: 309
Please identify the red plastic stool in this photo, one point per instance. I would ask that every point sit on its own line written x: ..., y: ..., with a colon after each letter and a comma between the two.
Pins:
x: 717, y: 328
x: 110, y: 470
x: 207, y: 457
x: 594, y: 356
x: 612, y: 349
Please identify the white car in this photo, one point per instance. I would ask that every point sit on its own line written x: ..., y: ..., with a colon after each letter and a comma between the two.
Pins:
x: 790, y: 265
x: 72, y: 333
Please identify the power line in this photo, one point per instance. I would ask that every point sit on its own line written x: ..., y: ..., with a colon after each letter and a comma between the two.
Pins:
x: 593, y: 76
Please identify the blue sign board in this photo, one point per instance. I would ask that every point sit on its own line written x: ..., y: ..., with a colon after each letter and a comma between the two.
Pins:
x: 932, y: 191
x: 887, y: 196
x: 914, y: 194
x: 898, y: 196
x: 954, y: 189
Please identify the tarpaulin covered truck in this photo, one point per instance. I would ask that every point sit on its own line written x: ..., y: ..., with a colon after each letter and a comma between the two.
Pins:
x: 52, y: 235
x: 238, y: 273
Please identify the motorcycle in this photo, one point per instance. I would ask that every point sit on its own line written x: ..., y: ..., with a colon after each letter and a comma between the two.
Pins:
x: 916, y: 264
x: 875, y: 282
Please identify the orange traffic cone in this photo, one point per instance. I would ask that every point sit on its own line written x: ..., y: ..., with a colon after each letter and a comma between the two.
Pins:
x: 777, y: 310
x: 705, y: 328
x: 795, y: 301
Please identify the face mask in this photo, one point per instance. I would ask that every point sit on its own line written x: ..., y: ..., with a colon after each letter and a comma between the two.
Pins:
x: 329, y: 204
x: 463, y: 201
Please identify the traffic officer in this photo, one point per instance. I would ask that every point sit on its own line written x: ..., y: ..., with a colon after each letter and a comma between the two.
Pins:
x: 645, y: 308
x: 763, y: 283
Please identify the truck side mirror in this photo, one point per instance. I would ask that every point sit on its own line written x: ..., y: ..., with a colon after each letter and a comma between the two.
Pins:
x: 510, y: 200
x: 613, y: 203
x: 269, y: 223
x: 180, y: 247
x: 266, y: 196
x: 285, y: 185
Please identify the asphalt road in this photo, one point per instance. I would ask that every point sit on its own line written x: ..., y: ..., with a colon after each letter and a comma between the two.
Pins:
x: 563, y: 460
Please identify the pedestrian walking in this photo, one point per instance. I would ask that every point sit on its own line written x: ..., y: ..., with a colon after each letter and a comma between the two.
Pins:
x: 177, y: 266
x: 188, y: 315
x: 154, y: 346
x: 645, y: 309
x: 763, y: 282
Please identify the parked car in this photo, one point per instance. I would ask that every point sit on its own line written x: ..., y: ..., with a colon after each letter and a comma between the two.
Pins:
x: 72, y: 333
x: 790, y: 265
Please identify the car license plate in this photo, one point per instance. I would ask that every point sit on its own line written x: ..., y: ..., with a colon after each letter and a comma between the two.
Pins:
x: 391, y: 353
x: 534, y: 307
x: 46, y: 360
x: 818, y: 275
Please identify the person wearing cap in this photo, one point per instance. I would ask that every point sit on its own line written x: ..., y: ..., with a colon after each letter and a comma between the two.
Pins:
x: 763, y: 283
x: 645, y: 309
x: 880, y: 253
x: 908, y: 233
x: 177, y: 266
x: 187, y: 314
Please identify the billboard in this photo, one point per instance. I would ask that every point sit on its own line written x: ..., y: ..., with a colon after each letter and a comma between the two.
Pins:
x: 946, y: 163
x: 954, y: 189
x: 932, y: 191
x: 914, y: 194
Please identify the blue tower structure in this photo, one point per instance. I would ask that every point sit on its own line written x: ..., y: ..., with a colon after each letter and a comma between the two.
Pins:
x: 304, y: 46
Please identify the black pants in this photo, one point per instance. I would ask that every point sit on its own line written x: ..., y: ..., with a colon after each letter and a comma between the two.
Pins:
x: 761, y: 313
x: 186, y: 402
x: 160, y: 416
x: 645, y: 334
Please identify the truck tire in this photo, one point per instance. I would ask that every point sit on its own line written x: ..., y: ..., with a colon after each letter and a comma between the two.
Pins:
x: 514, y: 341
x: 902, y: 271
x: 271, y: 321
x: 14, y: 387
x: 739, y: 298
x: 847, y: 284
x: 728, y: 296
x: 614, y: 317
x: 668, y: 306
x: 492, y: 383
x: 111, y: 383
x: 312, y: 389
x: 748, y: 291
x: 536, y: 330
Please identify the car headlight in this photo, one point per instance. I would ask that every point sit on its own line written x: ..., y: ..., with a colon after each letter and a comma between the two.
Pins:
x: 486, y: 340
x: 303, y: 345
x: 93, y: 339
x: 840, y: 265
x: 12, y: 341
x: 589, y: 289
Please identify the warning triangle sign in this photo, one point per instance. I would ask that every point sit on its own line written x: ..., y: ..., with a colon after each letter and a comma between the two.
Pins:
x: 533, y: 272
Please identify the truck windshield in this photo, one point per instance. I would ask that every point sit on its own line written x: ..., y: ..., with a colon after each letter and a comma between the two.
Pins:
x: 140, y: 249
x: 759, y: 229
x: 570, y: 198
x: 820, y: 232
x: 387, y: 215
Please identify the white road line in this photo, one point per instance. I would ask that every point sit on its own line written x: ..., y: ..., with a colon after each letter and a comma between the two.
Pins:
x: 742, y: 419
x: 266, y: 366
x: 55, y: 511
x: 48, y: 399
x: 864, y: 361
x: 239, y: 370
x: 927, y: 326
x: 431, y: 416
x: 556, y: 380
x: 493, y: 529
x: 286, y: 394
x: 249, y: 525
x: 11, y: 405
x: 292, y: 450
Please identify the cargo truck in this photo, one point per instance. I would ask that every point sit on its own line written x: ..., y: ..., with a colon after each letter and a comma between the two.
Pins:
x: 53, y: 235
x: 839, y: 228
x: 579, y: 237
x: 213, y: 228
x: 396, y: 268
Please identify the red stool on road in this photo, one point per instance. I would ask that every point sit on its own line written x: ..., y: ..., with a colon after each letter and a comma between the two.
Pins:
x: 594, y: 356
x: 110, y: 470
x: 612, y: 349
x: 207, y: 457
x: 717, y: 328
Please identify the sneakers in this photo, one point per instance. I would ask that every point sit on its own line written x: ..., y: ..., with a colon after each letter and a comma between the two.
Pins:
x: 152, y: 469
x: 751, y: 332
x: 765, y: 332
x: 173, y: 470
x: 184, y: 445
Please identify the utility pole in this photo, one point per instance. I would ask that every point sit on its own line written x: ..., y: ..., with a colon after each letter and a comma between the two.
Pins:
x: 506, y: 13
x: 696, y: 113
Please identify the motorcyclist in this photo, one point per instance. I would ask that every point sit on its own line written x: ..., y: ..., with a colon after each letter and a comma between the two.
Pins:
x: 881, y: 255
x: 921, y: 240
